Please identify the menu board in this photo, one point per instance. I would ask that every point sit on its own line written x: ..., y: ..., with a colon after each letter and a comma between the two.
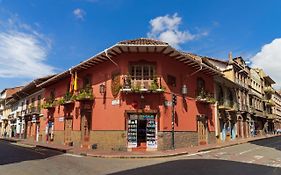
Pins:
x: 151, y: 136
x: 132, y: 133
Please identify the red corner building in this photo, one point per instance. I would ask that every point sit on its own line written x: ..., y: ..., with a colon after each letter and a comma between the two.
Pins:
x: 138, y: 94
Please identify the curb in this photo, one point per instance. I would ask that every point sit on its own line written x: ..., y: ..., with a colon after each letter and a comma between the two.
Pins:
x: 176, y: 154
x: 134, y: 156
x: 52, y: 148
x: 10, y: 140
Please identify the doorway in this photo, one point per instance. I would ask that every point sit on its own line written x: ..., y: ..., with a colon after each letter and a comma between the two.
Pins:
x: 141, y: 133
x: 85, y: 128
x: 202, y: 131
x: 67, y: 131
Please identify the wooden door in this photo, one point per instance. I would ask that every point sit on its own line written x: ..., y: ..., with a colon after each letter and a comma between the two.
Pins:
x: 239, y: 127
x: 202, y: 132
x: 85, y: 129
x: 67, y: 130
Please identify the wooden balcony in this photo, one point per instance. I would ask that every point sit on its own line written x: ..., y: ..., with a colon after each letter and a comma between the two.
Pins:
x: 228, y: 105
x: 133, y: 84
x: 269, y: 90
x: 205, y: 97
x: 269, y: 103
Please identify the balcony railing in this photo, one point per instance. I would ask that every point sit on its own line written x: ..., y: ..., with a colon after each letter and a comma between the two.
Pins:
x: 269, y: 103
x: 33, y: 109
x: 228, y: 105
x: 270, y: 116
x: 269, y: 90
x: 141, y: 84
x: 204, y: 96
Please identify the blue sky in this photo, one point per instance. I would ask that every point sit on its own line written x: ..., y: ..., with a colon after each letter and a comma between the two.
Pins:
x: 43, y: 37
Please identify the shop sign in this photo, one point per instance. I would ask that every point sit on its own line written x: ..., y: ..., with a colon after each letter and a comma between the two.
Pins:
x: 61, y: 119
x: 167, y: 103
x: 33, y: 119
x: 115, y: 102
x: 146, y: 117
x: 133, y: 116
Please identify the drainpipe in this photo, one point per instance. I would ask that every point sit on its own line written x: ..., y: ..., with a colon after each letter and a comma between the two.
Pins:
x: 106, y: 54
x: 216, y: 119
x: 193, y: 73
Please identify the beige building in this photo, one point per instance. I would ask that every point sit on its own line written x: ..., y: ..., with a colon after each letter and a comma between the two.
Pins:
x: 276, y: 110
x: 5, y: 110
x: 235, y: 95
x: 267, y: 123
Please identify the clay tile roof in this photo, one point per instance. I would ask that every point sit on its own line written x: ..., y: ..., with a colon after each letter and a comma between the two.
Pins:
x: 193, y: 56
x: 143, y: 41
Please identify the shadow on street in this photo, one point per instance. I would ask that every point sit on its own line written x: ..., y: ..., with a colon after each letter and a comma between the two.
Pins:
x: 203, y: 167
x: 274, y: 142
x: 10, y: 153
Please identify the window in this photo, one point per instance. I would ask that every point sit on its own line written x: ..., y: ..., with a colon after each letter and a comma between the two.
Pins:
x: 200, y: 84
x: 142, y: 72
x: 87, y: 81
x: 171, y: 80
x: 52, y: 95
x: 32, y: 101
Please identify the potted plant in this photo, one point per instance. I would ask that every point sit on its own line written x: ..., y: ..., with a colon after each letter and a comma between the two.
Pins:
x: 85, y: 94
x: 136, y: 88
x: 153, y: 86
x: 127, y: 83
x: 49, y: 103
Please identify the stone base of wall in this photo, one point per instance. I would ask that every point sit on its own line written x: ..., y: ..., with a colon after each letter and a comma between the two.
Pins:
x: 212, y: 137
x: 76, y: 138
x: 183, y: 139
x: 109, y: 140
x: 58, y: 137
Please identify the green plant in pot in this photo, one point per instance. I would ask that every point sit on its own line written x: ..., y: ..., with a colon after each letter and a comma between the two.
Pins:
x: 154, y: 86
x: 136, y: 88
x: 85, y: 94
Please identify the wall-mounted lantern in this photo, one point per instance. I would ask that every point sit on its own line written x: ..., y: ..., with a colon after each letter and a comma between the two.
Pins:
x: 102, y: 89
x: 184, y: 90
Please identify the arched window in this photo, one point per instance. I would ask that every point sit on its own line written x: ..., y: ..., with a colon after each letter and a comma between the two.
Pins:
x: 200, y: 84
x: 200, y: 87
x: 87, y: 83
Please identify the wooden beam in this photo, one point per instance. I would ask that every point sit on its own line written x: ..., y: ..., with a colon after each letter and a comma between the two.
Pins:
x: 155, y: 49
x: 183, y: 59
x: 169, y: 53
x: 180, y: 57
x: 115, y: 52
x: 138, y: 50
x: 99, y: 60
x: 163, y: 50
x: 129, y: 50
x: 146, y: 49
x: 103, y: 57
x: 122, y: 51
x: 176, y: 56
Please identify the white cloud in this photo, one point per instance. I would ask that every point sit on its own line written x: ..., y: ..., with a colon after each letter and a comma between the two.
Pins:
x: 79, y: 13
x: 23, y: 52
x: 166, y: 28
x: 269, y: 59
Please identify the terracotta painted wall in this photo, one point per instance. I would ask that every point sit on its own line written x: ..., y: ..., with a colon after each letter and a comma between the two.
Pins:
x: 105, y: 116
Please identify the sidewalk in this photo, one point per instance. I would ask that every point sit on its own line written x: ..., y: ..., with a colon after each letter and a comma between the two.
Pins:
x: 125, y: 154
x: 164, y: 153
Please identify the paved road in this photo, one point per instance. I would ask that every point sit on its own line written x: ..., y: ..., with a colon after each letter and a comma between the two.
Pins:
x: 256, y: 158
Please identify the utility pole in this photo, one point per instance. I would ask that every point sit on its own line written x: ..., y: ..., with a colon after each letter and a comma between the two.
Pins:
x: 174, y: 103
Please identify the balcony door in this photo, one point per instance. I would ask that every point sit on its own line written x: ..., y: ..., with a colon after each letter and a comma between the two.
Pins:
x: 85, y: 128
x: 142, y: 74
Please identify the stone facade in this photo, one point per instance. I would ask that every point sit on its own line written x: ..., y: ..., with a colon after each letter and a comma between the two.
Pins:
x: 182, y: 139
x: 109, y: 140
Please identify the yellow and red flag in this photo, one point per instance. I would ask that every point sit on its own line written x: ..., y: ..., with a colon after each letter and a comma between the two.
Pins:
x: 71, y: 83
x: 75, y: 85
